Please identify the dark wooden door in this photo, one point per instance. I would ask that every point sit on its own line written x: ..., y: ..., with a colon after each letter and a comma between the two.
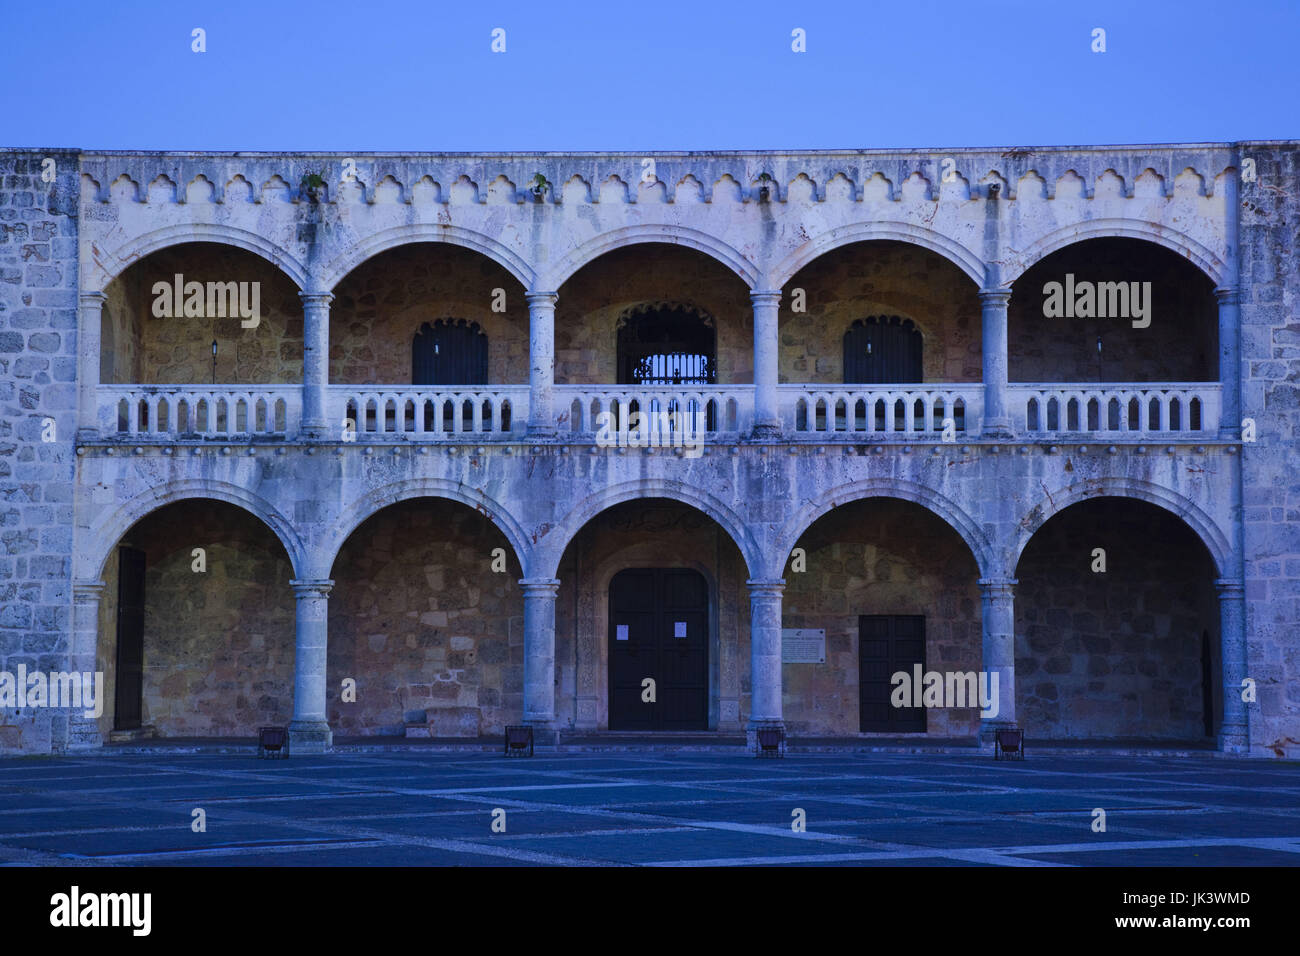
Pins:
x: 659, y: 628
x: 449, y: 353
x: 887, y: 644
x: 882, y: 350
x: 129, y: 679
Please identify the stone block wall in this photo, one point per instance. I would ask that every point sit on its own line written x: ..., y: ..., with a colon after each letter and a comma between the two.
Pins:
x: 380, y: 306
x: 38, y: 349
x: 881, y: 556
x: 139, y: 347
x: 1180, y: 344
x: 218, y: 644
x: 590, y: 303
x: 881, y: 278
x: 431, y: 634
x: 1119, y: 653
x: 1270, y: 344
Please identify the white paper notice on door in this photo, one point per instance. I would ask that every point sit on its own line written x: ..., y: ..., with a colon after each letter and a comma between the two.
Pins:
x: 679, y: 629
x: 620, y: 632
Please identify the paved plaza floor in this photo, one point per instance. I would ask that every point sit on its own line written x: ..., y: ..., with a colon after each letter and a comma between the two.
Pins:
x: 652, y: 808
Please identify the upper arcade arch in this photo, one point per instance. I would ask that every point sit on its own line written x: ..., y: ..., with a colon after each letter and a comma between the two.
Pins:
x: 105, y: 265
x: 91, y: 556
x: 1196, y: 253
x: 559, y: 272
x: 368, y: 247
x: 965, y: 260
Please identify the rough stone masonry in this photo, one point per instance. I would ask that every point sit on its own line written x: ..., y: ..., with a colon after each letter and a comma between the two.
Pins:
x: 972, y: 497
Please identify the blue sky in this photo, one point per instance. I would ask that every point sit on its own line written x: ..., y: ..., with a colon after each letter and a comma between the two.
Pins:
x: 627, y: 75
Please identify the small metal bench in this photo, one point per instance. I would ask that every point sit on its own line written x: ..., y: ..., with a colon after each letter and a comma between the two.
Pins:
x: 771, y: 742
x: 273, y: 743
x: 1007, y: 743
x: 517, y: 739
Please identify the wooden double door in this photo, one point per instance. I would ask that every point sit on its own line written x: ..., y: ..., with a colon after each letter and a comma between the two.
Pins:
x: 659, y: 630
x: 887, y: 644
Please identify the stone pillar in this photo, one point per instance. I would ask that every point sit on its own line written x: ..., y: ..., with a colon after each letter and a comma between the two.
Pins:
x: 997, y: 597
x: 767, y: 346
x: 997, y: 418
x: 1234, y: 732
x: 309, y: 731
x: 765, y: 708
x: 316, y: 366
x: 1230, y: 362
x: 539, y: 655
x: 82, y: 731
x: 541, y: 365
x: 89, y: 328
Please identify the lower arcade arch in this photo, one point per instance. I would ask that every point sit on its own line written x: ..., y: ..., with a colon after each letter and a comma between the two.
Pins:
x: 1117, y: 627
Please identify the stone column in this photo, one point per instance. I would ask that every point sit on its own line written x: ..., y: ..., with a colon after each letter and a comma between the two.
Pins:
x: 764, y: 656
x: 997, y: 418
x: 309, y: 731
x: 767, y: 348
x: 539, y: 655
x: 1230, y: 362
x: 82, y: 731
x: 997, y: 597
x: 316, y: 366
x: 1234, y: 732
x: 541, y: 365
x: 89, y: 328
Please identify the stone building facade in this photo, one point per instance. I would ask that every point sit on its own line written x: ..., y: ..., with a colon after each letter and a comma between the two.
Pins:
x: 283, y: 520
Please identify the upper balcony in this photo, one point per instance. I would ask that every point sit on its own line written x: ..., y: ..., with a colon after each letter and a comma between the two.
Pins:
x: 1113, y: 339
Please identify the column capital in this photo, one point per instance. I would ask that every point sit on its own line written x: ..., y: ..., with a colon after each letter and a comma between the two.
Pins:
x: 998, y: 586
x: 540, y: 298
x: 317, y: 299
x: 312, y: 587
x: 1228, y: 295
x: 767, y: 587
x: 1230, y: 589
x: 540, y: 587
x: 90, y: 299
x: 87, y: 590
x: 995, y: 296
x: 765, y: 296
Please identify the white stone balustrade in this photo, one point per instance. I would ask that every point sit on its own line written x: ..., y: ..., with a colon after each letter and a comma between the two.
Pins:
x: 724, y: 410
x: 183, y: 411
x: 428, y: 414
x: 917, y: 412
x: 1134, y: 409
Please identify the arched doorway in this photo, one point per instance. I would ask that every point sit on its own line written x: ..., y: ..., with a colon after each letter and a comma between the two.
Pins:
x: 882, y: 350
x: 670, y: 345
x: 449, y: 352
x: 658, y: 633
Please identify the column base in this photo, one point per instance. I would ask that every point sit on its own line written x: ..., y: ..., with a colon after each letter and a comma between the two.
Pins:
x: 997, y: 428
x: 766, y: 431
x: 85, y: 435
x: 1229, y: 433
x: 545, y: 733
x: 313, y: 430
x: 310, y: 737
x: 1234, y: 739
x: 541, y: 433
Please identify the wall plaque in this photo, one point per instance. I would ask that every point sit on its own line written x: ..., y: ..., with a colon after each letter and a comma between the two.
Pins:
x: 802, y: 645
